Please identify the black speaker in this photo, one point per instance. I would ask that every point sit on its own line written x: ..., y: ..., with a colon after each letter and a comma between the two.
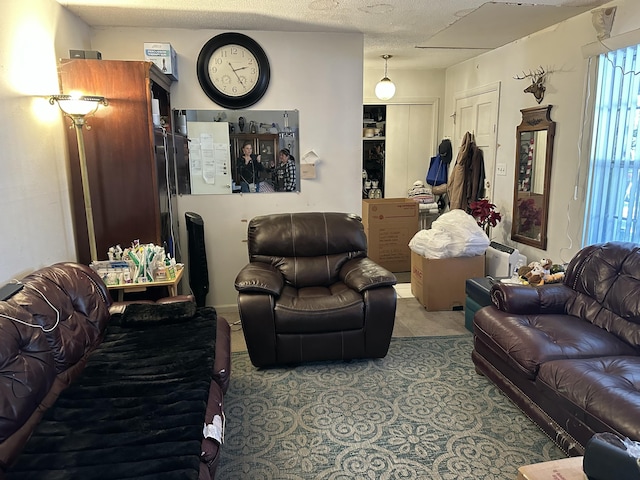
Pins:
x: 198, y: 270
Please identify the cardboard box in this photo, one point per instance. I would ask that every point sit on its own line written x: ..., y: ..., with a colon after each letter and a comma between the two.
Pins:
x: 390, y: 223
x: 164, y: 56
x: 439, y: 284
x: 565, y: 469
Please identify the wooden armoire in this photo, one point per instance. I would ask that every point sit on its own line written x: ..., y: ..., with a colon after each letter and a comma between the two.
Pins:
x: 130, y: 163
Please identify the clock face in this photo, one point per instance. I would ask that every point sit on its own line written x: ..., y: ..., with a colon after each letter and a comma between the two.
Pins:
x: 233, y: 70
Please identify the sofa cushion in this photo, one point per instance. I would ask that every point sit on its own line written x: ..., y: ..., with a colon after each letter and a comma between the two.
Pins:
x: 307, y: 248
x: 603, y: 393
x: 139, y: 314
x: 70, y: 303
x: 305, y: 234
x: 526, y: 341
x: 606, y: 278
x: 310, y: 271
x: 319, y: 310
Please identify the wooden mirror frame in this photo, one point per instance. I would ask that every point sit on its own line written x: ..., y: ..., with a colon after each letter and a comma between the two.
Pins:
x: 530, y: 209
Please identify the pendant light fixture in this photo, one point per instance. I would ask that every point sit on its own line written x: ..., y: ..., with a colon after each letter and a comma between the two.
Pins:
x: 385, y: 89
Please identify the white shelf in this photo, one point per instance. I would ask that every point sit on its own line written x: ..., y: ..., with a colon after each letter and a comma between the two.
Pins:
x: 373, y: 138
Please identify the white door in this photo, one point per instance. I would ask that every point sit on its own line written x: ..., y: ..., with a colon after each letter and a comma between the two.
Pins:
x: 477, y: 112
x: 410, y: 144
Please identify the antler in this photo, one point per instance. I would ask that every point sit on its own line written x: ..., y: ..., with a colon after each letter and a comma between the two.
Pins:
x: 539, y: 74
x: 524, y: 75
x: 535, y: 76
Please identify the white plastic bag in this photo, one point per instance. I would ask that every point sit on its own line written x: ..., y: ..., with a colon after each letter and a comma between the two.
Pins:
x: 452, y: 234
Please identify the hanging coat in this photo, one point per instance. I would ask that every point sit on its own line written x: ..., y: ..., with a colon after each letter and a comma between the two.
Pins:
x: 466, y: 181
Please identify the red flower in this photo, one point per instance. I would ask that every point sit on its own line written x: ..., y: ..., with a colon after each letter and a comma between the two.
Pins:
x: 485, y: 213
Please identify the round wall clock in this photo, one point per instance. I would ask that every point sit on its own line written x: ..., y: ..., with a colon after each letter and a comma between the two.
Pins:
x: 233, y: 70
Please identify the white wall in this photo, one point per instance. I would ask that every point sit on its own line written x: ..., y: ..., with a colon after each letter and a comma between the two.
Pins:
x: 412, y: 86
x: 318, y: 74
x: 35, y: 209
x: 559, y: 49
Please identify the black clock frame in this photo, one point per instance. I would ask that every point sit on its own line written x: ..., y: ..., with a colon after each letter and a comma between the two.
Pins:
x: 222, y: 99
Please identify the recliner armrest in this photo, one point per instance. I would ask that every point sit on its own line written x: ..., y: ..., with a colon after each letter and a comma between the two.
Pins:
x: 362, y: 274
x: 524, y: 299
x: 260, y: 277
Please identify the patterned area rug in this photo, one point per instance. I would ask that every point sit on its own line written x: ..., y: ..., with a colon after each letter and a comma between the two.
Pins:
x: 420, y: 413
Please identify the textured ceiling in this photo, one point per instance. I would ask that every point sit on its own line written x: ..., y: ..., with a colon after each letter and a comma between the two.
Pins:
x: 447, y: 31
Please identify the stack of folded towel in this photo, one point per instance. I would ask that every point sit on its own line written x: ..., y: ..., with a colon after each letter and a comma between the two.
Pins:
x: 421, y: 193
x: 428, y: 207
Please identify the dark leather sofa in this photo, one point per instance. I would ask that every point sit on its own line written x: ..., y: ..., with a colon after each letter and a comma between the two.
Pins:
x: 568, y: 354
x: 68, y: 377
x: 310, y: 292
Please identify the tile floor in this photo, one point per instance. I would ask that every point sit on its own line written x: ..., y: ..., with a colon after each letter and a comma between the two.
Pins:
x: 412, y: 320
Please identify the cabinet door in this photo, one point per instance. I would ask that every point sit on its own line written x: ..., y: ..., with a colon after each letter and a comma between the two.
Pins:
x: 411, y: 142
x: 165, y: 150
x: 268, y: 150
x: 183, y: 172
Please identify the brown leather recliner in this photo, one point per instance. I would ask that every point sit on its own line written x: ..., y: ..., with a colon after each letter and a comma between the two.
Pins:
x: 310, y: 293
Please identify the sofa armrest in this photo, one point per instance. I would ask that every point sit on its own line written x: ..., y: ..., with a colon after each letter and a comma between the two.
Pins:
x: 362, y: 273
x: 524, y: 299
x: 258, y: 277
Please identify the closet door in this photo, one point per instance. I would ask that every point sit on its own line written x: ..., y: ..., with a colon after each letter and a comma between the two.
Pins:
x: 411, y: 142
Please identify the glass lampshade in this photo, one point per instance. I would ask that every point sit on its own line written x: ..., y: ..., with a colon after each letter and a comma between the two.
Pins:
x: 385, y: 89
x: 78, y: 105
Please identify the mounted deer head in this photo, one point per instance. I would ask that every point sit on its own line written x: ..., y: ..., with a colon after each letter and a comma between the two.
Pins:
x: 537, y: 87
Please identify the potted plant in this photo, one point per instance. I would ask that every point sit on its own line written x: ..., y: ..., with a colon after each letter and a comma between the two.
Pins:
x: 485, y: 214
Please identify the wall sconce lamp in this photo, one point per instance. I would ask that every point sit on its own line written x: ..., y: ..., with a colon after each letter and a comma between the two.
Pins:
x: 77, y: 108
x: 385, y: 89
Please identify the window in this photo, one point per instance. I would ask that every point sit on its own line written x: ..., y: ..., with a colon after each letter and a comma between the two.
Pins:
x: 613, y: 196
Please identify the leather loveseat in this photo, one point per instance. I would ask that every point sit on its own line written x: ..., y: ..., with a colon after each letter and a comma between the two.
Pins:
x: 568, y: 354
x: 84, y: 396
x: 310, y: 292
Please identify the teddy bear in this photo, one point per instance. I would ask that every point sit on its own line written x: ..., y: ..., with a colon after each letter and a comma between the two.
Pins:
x: 532, y: 273
x: 539, y: 273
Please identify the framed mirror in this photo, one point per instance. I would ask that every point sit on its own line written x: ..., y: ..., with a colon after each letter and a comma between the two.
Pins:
x: 238, y: 151
x: 534, y: 154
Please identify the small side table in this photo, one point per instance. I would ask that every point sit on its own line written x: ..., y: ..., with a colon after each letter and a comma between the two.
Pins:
x: 172, y: 285
x: 565, y: 469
